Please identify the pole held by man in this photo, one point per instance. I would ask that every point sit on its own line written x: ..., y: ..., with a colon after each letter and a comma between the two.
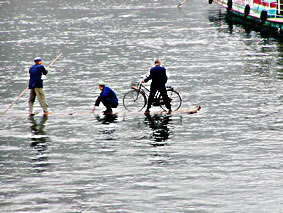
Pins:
x: 40, y: 68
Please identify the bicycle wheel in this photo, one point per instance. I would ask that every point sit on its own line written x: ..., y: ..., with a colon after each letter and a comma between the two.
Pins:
x: 134, y: 101
x: 175, y: 100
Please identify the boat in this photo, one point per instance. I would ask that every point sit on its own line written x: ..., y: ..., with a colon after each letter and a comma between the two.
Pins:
x: 266, y: 13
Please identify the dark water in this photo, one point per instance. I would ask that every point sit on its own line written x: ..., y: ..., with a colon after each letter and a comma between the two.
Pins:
x: 226, y: 158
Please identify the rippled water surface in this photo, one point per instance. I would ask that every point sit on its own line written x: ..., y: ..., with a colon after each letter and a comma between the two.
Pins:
x: 226, y: 158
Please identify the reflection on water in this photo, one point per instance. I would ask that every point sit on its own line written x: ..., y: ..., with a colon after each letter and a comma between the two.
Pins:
x: 159, y: 125
x: 280, y: 62
x: 240, y: 25
x: 39, y: 143
x: 107, y: 163
x: 107, y: 118
x: 237, y: 26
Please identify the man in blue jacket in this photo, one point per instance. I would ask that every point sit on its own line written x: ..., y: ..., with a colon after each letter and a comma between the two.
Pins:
x: 36, y: 86
x: 107, y: 97
x: 159, y: 79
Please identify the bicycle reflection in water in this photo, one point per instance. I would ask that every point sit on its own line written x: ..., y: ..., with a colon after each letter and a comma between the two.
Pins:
x: 159, y: 125
x: 39, y: 143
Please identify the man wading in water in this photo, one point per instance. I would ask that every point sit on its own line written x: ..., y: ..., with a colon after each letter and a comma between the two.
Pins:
x: 36, y: 86
x: 107, y: 97
x: 159, y: 79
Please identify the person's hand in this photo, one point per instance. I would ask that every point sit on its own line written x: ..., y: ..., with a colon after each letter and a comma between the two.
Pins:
x: 142, y: 81
x: 92, y: 111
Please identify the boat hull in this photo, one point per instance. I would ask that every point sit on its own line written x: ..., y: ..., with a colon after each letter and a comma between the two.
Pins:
x: 266, y: 15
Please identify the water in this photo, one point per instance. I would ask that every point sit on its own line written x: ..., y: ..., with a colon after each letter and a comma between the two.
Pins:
x: 226, y: 158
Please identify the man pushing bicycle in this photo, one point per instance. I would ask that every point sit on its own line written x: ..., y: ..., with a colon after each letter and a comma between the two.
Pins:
x: 159, y: 79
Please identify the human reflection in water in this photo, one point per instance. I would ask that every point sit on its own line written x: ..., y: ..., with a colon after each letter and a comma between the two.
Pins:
x: 39, y: 143
x: 159, y: 125
x: 107, y: 131
x: 107, y: 118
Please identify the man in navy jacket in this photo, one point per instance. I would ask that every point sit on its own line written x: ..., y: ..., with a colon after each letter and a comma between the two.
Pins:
x: 107, y: 97
x: 36, y: 86
x: 159, y: 79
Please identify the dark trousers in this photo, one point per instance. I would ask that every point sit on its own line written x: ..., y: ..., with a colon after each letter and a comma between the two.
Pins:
x: 163, y: 94
x: 109, y: 104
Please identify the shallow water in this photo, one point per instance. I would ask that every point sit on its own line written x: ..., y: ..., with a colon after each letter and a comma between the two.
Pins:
x: 226, y: 158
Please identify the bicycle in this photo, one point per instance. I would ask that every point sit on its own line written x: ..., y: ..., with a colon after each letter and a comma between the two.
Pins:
x: 136, y: 99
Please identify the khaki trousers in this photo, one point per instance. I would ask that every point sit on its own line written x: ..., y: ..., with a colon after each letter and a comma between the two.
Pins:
x: 41, y: 97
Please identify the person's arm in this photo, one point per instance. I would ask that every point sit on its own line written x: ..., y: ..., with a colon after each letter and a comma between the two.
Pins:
x: 147, y: 78
x: 104, y: 93
x: 165, y: 76
x: 97, y: 102
x: 44, y: 71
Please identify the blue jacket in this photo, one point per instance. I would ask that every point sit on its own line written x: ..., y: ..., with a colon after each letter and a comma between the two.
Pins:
x: 158, y: 77
x: 35, y: 73
x: 107, y: 94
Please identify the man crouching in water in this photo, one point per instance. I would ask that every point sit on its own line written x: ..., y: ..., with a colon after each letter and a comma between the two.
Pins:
x: 108, y: 98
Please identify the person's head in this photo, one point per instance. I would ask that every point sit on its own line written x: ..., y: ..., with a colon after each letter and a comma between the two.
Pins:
x: 38, y: 60
x: 157, y: 61
x: 101, y: 85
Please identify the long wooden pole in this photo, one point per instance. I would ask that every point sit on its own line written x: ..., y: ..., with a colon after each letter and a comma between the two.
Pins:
x: 26, y: 89
x: 179, y: 5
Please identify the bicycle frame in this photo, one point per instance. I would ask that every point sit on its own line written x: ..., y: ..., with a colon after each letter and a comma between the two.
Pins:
x: 140, y: 94
x: 142, y: 89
